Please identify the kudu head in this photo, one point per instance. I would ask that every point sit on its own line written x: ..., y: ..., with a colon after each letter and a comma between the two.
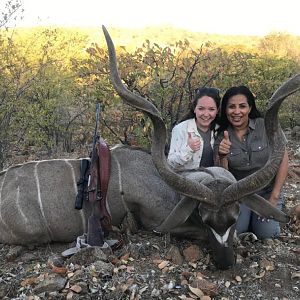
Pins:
x: 214, y: 192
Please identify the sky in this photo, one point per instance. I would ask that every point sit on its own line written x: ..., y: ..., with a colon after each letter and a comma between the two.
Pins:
x: 242, y: 17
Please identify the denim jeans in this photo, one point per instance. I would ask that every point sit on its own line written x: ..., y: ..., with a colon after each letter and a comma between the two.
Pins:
x: 248, y: 221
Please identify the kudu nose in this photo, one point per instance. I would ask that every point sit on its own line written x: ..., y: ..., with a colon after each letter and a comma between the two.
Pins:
x: 225, y: 259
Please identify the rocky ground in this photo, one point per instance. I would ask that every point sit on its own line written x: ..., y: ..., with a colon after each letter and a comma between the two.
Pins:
x: 150, y: 266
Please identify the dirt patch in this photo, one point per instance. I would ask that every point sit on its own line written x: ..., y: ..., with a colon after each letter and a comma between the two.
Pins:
x: 144, y: 269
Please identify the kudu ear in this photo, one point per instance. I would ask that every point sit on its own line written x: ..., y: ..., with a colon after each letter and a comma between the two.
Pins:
x: 179, y: 214
x: 264, y: 208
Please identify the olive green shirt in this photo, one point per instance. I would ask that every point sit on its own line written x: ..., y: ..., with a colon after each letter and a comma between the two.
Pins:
x: 248, y: 155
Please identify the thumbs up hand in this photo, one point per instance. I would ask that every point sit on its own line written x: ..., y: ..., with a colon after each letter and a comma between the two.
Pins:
x: 193, y: 142
x: 224, y: 147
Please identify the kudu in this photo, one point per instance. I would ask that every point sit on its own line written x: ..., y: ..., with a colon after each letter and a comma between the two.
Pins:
x: 37, y: 198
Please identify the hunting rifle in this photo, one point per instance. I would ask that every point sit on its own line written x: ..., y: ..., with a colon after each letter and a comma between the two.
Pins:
x: 95, y: 236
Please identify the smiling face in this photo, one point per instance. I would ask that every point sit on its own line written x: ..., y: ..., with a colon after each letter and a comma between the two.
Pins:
x: 205, y: 111
x: 237, y: 111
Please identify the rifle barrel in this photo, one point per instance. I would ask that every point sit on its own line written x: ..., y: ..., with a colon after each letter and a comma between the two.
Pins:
x: 96, y: 137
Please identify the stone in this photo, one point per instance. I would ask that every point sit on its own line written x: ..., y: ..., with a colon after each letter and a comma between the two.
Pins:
x: 174, y: 255
x: 87, y: 256
x: 50, y: 284
x: 192, y: 253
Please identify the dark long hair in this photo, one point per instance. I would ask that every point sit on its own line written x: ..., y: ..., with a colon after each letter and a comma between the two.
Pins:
x: 233, y: 91
x: 199, y: 93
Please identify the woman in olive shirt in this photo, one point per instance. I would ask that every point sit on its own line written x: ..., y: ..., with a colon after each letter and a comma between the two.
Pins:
x: 242, y: 148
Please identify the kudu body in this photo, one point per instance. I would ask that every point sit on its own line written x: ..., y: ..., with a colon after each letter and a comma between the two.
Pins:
x: 37, y: 198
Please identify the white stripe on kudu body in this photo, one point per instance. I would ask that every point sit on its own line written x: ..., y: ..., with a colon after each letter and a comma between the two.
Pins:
x: 6, y: 232
x: 39, y: 200
x: 37, y: 203
x: 19, y: 206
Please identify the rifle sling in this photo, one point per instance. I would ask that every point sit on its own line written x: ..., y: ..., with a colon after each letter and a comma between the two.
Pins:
x: 104, y: 173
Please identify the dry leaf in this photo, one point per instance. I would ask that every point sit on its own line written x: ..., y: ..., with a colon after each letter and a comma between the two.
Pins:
x: 295, y: 275
x: 199, y: 275
x: 184, y: 297
x: 30, y: 281
x: 254, y: 264
x: 270, y: 268
x: 143, y: 289
x: 193, y: 265
x: 123, y: 287
x: 260, y: 275
x: 129, y: 269
x: 114, y: 260
x: 267, y: 264
x: 184, y: 282
x: 193, y: 296
x: 163, y: 264
x: 76, y: 288
x: 32, y: 298
x: 130, y: 281
x: 227, y: 284
x: 207, y: 287
x: 123, y: 261
x: 207, y: 259
x: 238, y: 278
x: 196, y: 291
x: 43, y: 276
x: 296, y: 250
x: 125, y: 256
x: 239, y: 259
x: 122, y: 267
x: 156, y: 247
x: 59, y: 270
x: 70, y: 295
x: 157, y: 261
x: 186, y: 274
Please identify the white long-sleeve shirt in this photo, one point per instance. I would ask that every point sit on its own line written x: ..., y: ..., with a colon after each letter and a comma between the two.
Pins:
x: 181, y: 156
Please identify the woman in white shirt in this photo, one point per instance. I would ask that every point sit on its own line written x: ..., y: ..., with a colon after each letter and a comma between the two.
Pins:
x: 193, y: 138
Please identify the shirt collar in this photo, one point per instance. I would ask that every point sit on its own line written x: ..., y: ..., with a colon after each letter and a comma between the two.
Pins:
x: 252, y: 124
x: 192, y: 127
